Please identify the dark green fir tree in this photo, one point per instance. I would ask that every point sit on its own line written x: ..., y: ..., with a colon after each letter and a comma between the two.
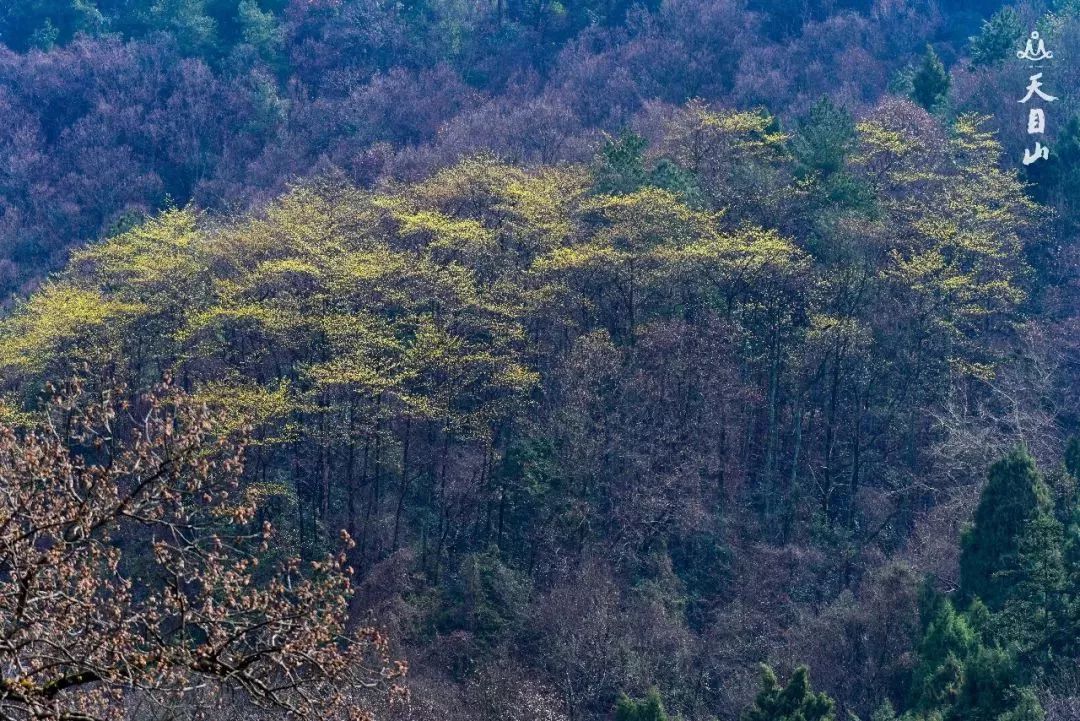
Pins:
x: 998, y: 550
x: 650, y: 708
x: 998, y: 38
x: 962, y: 677
x: 794, y: 702
x: 823, y: 138
x: 930, y: 83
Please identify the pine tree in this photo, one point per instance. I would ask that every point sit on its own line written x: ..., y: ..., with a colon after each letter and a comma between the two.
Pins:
x: 1070, y: 632
x: 795, y: 702
x: 991, y: 687
x: 992, y: 560
x: 962, y: 677
x: 1026, y: 708
x: 651, y: 708
x: 884, y: 712
x: 930, y: 84
x: 260, y: 29
x: 196, y: 32
x: 823, y: 138
x: 946, y: 644
x: 620, y: 167
x: 1034, y: 615
x: 44, y: 23
x: 997, y: 38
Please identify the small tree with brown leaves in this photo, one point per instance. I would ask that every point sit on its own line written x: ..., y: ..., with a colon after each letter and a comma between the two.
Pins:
x: 130, y: 572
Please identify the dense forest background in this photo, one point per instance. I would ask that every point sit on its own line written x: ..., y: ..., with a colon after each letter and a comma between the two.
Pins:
x: 637, y: 345
x: 117, y: 108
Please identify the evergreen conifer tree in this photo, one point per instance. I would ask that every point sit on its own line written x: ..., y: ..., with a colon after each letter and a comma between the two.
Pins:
x: 795, y: 702
x: 993, y: 550
x: 620, y: 167
x: 823, y: 138
x: 1070, y: 631
x: 651, y: 708
x: 946, y: 644
x: 1034, y: 614
x: 997, y: 39
x: 930, y: 84
x: 963, y: 677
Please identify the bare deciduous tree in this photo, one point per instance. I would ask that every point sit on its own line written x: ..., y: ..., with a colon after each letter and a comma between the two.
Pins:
x: 130, y: 571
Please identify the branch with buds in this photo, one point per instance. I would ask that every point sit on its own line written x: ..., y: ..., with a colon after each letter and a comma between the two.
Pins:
x: 130, y: 572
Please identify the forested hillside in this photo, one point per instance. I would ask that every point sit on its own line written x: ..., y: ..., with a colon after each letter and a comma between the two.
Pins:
x: 118, y: 108
x: 592, y: 361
